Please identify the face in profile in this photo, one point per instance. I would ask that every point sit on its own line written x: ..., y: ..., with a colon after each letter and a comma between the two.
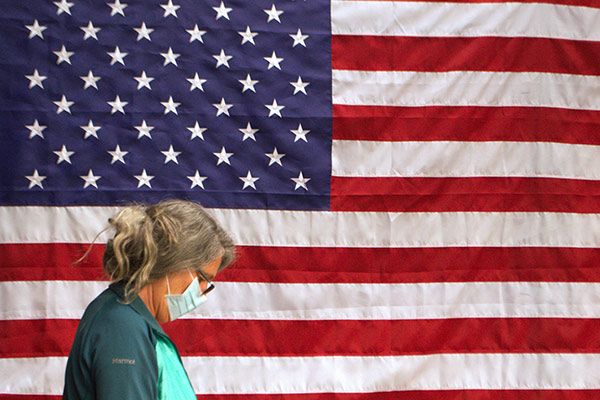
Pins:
x: 178, y: 282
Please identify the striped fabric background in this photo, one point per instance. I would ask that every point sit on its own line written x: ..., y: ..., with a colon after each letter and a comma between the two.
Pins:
x: 459, y: 258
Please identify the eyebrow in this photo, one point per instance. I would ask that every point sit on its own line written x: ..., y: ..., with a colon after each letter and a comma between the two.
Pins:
x: 206, y: 277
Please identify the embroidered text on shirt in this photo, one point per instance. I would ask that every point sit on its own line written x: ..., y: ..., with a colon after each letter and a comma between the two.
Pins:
x: 123, y: 361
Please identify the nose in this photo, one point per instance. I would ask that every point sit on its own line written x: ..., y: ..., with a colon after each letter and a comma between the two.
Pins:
x: 203, y: 284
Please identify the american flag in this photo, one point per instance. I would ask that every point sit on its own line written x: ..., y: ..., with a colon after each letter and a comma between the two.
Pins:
x: 413, y: 187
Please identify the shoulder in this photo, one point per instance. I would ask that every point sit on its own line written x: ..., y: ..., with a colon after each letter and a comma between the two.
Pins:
x: 115, y: 312
x: 119, y: 349
x: 113, y: 353
x: 107, y: 307
x: 109, y: 320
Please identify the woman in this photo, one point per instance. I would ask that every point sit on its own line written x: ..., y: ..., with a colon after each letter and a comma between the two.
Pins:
x: 161, y: 261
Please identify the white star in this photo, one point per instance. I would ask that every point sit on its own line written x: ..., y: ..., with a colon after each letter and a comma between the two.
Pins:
x: 90, y: 179
x: 90, y: 130
x: 222, y: 59
x: 35, y: 179
x: 117, y: 105
x: 223, y: 156
x: 196, y: 82
x: 300, y: 181
x: 223, y: 108
x: 90, y: 80
x: 170, y: 9
x: 170, y: 57
x: 35, y: 79
x: 248, y: 36
x: 274, y: 157
x: 143, y: 32
x: 117, y: 155
x: 63, y: 55
x: 196, y: 34
x: 144, y: 130
x: 170, y: 106
x: 197, y: 180
x: 35, y: 129
x: 144, y: 179
x: 273, y: 14
x: 63, y: 6
x: 171, y: 155
x: 90, y: 31
x: 299, y: 38
x: 143, y: 81
x: 248, y: 83
x: 274, y: 109
x: 196, y: 131
x: 299, y: 86
x: 63, y: 155
x: 249, y: 181
x: 248, y: 132
x: 300, y: 133
x: 36, y: 29
x: 117, y: 8
x: 63, y: 105
x: 117, y: 56
x: 273, y: 61
x: 222, y: 11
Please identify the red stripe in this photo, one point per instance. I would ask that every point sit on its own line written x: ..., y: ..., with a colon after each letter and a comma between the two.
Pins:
x: 382, y: 338
x: 413, y: 265
x: 37, y: 338
x: 441, y: 54
x: 28, y: 397
x: 426, y: 395
x: 520, y: 124
x: 405, y: 395
x: 355, y: 265
x: 30, y: 338
x: 56, y: 261
x: 465, y: 194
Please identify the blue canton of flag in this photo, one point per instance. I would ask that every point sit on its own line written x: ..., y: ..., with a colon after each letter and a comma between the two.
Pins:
x: 226, y: 102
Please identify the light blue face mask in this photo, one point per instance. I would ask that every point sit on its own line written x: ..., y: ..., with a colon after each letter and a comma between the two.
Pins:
x: 190, y: 299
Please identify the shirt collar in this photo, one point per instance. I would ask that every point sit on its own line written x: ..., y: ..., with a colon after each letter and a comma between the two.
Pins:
x: 138, y: 305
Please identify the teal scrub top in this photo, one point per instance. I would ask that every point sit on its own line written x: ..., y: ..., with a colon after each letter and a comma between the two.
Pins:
x: 121, y: 352
x: 173, y: 382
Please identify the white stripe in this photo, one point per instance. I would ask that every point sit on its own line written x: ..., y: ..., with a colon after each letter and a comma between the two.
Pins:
x: 352, y: 158
x: 339, y: 229
x: 32, y: 376
x: 334, y: 229
x: 277, y: 301
x: 465, y: 88
x: 387, y: 18
x: 330, y: 374
x: 47, y: 299
x: 343, y: 374
x: 54, y: 224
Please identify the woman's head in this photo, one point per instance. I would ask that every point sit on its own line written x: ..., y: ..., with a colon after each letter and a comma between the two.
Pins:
x: 153, y: 241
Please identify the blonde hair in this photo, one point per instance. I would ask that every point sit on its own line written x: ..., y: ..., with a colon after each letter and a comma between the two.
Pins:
x: 153, y: 241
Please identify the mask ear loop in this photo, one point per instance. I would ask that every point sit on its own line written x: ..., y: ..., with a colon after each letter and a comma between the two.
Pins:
x: 194, y: 278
